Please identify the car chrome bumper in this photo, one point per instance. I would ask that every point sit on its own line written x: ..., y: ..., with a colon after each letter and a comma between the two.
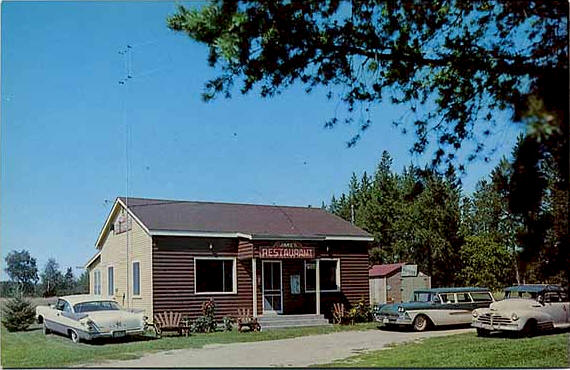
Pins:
x: 391, y: 320
x: 89, y: 336
x: 495, y: 327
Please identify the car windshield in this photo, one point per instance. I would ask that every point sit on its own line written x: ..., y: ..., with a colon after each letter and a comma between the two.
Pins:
x: 422, y: 297
x: 96, y: 306
x: 521, y: 294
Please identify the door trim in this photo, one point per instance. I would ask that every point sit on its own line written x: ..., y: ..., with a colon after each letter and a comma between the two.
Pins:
x: 263, y: 262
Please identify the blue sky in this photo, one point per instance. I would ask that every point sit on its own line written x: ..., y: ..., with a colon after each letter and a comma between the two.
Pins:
x: 63, y: 128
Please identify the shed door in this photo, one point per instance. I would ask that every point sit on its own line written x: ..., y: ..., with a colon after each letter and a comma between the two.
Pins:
x: 272, y: 287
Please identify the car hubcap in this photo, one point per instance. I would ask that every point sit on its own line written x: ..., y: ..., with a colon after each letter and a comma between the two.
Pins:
x: 421, y: 322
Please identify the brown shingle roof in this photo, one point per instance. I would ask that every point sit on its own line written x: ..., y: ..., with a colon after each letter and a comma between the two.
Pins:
x: 253, y: 219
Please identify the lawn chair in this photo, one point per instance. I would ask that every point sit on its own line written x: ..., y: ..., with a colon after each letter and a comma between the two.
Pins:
x: 170, y: 321
x: 339, y: 313
x: 245, y: 319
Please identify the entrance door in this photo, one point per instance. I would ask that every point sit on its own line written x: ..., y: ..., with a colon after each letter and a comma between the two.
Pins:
x: 272, y: 287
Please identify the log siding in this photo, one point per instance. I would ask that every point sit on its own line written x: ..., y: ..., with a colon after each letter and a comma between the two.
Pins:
x: 173, y: 276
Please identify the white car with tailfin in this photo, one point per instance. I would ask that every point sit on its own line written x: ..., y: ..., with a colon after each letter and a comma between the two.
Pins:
x: 86, y: 317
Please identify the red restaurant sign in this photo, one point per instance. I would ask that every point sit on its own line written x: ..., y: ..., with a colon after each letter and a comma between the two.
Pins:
x: 281, y: 250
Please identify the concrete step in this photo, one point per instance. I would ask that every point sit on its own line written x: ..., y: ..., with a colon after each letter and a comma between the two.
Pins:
x: 273, y: 317
x: 271, y: 327
x: 294, y: 322
x: 289, y: 321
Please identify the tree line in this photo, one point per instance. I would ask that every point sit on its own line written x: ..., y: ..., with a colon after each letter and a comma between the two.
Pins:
x: 25, y: 277
x: 421, y: 216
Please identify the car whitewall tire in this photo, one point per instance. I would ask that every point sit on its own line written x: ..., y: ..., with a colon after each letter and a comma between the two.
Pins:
x: 74, y: 336
x: 421, y: 323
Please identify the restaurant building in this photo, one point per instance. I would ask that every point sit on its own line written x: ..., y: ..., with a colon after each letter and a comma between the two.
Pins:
x: 167, y: 255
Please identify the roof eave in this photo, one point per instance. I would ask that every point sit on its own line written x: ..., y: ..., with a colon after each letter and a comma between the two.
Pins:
x: 105, y: 229
x: 215, y: 234
x: 92, y: 259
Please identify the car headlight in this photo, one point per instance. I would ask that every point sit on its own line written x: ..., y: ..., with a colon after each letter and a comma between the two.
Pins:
x: 401, y: 309
x: 474, y: 313
x: 514, y: 316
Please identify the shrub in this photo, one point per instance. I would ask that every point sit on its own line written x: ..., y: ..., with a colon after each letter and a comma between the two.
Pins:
x: 228, y: 323
x: 360, y: 312
x: 18, y: 313
x: 207, y: 322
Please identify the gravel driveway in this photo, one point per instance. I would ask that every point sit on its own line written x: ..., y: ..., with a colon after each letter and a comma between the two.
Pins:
x: 301, y: 351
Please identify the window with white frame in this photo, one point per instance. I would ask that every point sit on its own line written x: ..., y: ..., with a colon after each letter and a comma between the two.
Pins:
x: 329, y: 274
x: 110, y: 280
x: 136, y: 278
x: 215, y: 275
x: 97, y: 282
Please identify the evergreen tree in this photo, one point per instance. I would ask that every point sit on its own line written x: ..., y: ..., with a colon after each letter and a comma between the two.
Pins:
x: 18, y: 313
x: 68, y: 284
x: 82, y: 284
x: 52, y: 279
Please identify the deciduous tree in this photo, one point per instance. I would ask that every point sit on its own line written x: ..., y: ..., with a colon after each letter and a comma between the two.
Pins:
x: 21, y: 268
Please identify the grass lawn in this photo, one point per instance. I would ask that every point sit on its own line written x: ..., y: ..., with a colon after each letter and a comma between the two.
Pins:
x: 32, y: 349
x: 468, y: 350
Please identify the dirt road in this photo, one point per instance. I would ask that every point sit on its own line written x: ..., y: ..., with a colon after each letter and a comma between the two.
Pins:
x: 302, y: 351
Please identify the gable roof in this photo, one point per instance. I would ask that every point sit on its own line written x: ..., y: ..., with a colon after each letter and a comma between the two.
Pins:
x: 384, y: 270
x: 250, y: 221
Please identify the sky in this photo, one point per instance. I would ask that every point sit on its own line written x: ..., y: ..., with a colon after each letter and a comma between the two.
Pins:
x: 64, y: 138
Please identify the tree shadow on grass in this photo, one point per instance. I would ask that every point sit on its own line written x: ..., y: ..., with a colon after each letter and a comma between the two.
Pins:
x: 33, y: 328
x: 519, y: 335
x: 122, y: 340
x: 409, y: 328
x: 106, y: 341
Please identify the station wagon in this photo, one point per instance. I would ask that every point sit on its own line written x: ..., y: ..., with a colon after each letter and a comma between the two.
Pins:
x: 435, y: 307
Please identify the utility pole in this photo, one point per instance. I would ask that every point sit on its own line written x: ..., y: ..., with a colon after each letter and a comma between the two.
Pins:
x: 352, y: 213
x: 127, y: 56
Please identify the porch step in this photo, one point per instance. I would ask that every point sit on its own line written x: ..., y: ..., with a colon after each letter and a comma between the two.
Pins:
x: 289, y: 321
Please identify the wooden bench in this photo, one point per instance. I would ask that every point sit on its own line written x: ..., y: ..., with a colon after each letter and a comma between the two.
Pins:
x: 245, y: 319
x: 170, y: 321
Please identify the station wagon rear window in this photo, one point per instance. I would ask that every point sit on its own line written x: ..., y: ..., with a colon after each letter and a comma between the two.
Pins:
x: 96, y: 306
x: 481, y: 297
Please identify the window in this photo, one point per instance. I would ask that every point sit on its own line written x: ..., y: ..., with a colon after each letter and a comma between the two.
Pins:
x: 422, y: 297
x: 215, y: 275
x: 527, y: 295
x: 136, y: 278
x: 62, y: 305
x: 463, y: 298
x: 481, y: 297
x: 330, y: 275
x: 97, y: 282
x: 96, y: 306
x: 110, y: 280
x: 552, y: 297
x: 447, y: 298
